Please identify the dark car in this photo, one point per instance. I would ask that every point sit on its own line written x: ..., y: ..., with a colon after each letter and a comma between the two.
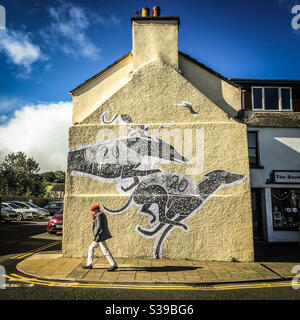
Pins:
x: 56, y: 223
x: 54, y: 207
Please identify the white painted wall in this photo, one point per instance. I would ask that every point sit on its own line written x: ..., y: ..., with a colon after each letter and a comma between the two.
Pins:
x: 279, y: 149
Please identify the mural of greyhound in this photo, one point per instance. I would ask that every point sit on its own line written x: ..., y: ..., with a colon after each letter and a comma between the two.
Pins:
x: 177, y: 198
x: 124, y: 157
x: 167, y: 197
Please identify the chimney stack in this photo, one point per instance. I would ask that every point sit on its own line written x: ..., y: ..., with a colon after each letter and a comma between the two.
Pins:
x: 154, y: 38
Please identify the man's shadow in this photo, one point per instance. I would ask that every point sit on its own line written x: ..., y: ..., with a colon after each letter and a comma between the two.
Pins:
x: 163, y: 269
x: 159, y: 269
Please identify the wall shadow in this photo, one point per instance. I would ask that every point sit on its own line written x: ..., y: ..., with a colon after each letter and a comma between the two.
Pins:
x: 216, y: 94
x: 277, y: 252
x: 18, y: 237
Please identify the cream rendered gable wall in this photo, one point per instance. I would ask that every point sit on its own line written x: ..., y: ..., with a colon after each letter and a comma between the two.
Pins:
x: 90, y: 96
x: 212, y: 224
x: 151, y: 95
x: 222, y: 93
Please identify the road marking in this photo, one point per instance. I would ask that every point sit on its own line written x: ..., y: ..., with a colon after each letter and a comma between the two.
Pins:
x: 25, y: 254
x: 15, y: 277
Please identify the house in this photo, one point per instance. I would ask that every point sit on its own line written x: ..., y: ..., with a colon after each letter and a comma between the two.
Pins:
x: 272, y: 109
x: 58, y: 191
x: 156, y: 140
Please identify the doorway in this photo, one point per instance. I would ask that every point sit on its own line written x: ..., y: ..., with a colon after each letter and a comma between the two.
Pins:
x: 257, y: 219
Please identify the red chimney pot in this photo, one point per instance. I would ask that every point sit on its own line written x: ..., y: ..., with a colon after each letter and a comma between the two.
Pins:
x: 156, y: 11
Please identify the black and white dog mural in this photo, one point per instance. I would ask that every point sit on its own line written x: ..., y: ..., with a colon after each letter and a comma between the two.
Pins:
x: 168, y: 198
x: 174, y: 198
x: 132, y: 156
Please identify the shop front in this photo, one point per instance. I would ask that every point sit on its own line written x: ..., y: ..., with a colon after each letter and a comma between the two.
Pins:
x: 283, y: 206
x: 285, y: 209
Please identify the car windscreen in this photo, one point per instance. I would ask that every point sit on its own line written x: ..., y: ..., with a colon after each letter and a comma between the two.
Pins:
x: 56, y: 205
x: 21, y: 205
x: 31, y: 205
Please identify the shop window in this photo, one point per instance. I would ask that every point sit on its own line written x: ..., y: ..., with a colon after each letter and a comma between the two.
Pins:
x: 286, y: 209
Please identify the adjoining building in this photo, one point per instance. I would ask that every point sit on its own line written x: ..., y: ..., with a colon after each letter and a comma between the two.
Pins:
x: 272, y: 113
x: 157, y: 141
x: 58, y: 191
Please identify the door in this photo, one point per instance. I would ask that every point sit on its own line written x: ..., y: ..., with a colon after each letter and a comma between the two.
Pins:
x: 257, y: 220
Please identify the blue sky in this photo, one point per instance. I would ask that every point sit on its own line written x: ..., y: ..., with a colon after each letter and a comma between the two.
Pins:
x: 51, y: 46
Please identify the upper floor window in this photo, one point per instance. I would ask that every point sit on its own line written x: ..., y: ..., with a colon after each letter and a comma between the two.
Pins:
x: 271, y: 98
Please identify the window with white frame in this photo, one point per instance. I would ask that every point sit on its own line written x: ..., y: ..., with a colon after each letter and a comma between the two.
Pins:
x: 271, y: 98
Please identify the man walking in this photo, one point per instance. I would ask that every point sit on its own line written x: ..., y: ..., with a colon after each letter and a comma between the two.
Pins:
x: 101, y: 233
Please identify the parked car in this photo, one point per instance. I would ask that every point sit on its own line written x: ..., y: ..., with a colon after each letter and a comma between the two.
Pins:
x: 24, y: 206
x: 8, y: 214
x: 54, y: 207
x: 23, y: 214
x: 37, y: 212
x: 56, y: 223
x: 42, y: 211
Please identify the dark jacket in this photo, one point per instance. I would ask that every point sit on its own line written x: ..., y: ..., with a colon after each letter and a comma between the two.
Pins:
x: 100, y: 228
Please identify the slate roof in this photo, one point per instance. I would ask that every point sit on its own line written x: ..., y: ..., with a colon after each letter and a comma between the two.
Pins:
x: 58, y: 187
x: 256, y: 81
x: 284, y: 119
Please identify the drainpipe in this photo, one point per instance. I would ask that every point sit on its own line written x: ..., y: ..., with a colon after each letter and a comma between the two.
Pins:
x: 243, y: 99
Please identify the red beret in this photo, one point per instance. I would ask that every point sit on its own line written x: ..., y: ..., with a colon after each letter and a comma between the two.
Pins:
x: 95, y: 207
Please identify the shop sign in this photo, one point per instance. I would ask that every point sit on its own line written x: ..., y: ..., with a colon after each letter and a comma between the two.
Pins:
x: 286, y: 177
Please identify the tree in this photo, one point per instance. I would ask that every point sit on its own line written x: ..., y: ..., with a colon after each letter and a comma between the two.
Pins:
x: 19, y: 176
x: 60, y: 177
x: 48, y: 176
x: 53, y: 177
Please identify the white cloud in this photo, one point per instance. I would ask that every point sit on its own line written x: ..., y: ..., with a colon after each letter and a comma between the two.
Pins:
x: 68, y: 31
x: 3, y: 118
x: 19, y: 49
x: 41, y: 131
x: 111, y: 20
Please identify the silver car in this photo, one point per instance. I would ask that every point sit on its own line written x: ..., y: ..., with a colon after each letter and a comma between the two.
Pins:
x: 23, y: 214
x: 25, y: 206
x: 42, y: 213
x: 8, y: 214
x: 37, y: 212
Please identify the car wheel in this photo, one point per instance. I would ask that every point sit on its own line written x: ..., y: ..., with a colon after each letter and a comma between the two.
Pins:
x: 52, y: 232
x: 19, y: 217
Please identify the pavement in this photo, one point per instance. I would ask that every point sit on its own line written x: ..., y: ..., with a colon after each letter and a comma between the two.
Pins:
x: 52, y: 265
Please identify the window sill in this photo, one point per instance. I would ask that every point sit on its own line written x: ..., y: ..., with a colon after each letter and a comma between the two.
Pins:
x: 256, y: 166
